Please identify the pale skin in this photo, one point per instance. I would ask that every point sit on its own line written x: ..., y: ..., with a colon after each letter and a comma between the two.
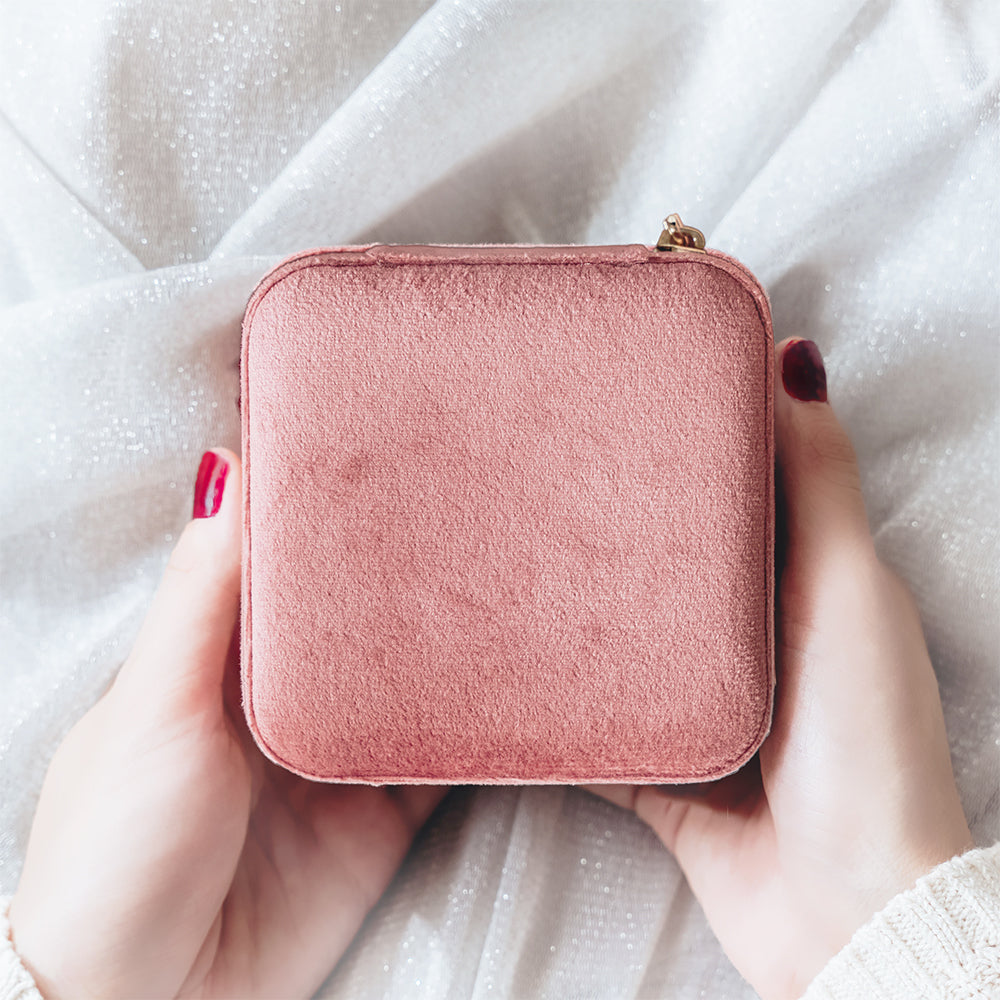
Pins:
x: 168, y: 858
x: 851, y: 797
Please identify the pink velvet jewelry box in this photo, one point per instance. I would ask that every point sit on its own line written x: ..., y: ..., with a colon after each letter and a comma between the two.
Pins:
x: 508, y: 514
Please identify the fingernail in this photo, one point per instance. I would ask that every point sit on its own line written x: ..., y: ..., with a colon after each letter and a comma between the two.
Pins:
x: 802, y: 372
x: 210, y: 485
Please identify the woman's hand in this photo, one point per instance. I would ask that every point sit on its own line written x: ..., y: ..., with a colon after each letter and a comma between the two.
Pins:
x: 851, y: 798
x: 168, y: 857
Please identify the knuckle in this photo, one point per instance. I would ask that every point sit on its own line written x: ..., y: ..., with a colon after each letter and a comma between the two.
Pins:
x: 826, y: 440
x: 179, y: 566
x: 829, y: 452
x: 187, y: 556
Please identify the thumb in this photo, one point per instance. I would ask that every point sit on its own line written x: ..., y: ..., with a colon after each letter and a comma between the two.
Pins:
x: 181, y: 648
x: 818, y: 473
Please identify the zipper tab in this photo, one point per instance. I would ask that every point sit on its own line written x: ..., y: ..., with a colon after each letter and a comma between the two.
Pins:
x: 677, y: 236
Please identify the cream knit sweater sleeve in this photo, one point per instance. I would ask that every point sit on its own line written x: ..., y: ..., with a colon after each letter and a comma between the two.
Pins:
x: 939, y: 940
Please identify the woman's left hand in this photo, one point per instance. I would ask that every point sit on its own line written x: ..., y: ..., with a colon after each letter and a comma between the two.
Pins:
x: 168, y: 857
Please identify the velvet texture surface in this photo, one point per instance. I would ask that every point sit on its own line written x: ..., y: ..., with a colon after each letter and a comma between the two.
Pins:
x: 508, y: 514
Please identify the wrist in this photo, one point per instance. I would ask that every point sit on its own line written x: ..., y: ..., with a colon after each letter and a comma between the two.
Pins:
x: 937, y: 938
x: 16, y: 980
x: 928, y: 842
x: 837, y: 900
x: 41, y: 953
x: 899, y: 872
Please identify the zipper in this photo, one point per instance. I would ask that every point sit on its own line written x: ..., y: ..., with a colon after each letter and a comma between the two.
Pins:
x: 677, y: 236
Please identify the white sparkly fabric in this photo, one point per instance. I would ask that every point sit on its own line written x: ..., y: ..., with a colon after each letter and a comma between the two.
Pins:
x: 157, y: 159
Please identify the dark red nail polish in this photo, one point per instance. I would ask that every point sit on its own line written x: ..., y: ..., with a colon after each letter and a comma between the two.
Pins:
x: 802, y: 372
x: 209, y: 485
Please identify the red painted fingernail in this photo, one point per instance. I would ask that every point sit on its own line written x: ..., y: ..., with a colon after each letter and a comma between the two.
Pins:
x: 210, y: 485
x: 802, y: 372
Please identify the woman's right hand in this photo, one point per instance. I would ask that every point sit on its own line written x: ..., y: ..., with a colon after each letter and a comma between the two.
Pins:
x: 852, y: 797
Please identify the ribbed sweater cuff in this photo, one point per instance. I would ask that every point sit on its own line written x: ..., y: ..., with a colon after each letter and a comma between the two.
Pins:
x: 15, y: 981
x: 938, y: 940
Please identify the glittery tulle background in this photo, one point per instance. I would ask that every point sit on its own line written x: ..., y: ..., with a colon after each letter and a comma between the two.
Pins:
x: 157, y: 158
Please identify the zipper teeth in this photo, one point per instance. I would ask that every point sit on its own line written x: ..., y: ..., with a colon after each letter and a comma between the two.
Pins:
x: 721, y: 255
x: 363, y: 247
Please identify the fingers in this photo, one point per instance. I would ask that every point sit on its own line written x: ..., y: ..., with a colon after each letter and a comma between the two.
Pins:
x: 694, y: 820
x: 619, y: 795
x: 817, y: 466
x: 416, y: 803
x: 182, y: 645
x: 719, y: 833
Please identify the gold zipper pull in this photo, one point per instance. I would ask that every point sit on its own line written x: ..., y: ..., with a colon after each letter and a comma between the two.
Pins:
x: 677, y: 236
